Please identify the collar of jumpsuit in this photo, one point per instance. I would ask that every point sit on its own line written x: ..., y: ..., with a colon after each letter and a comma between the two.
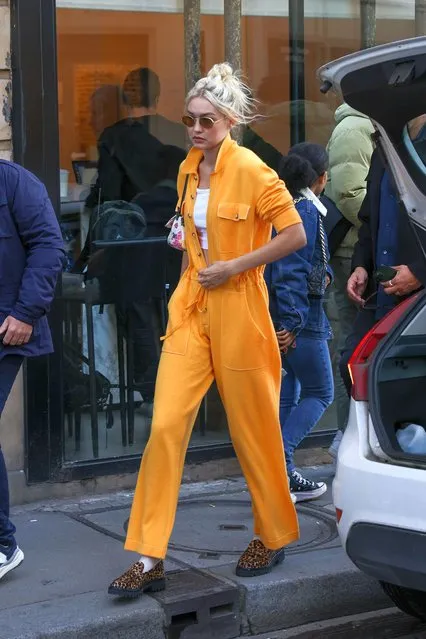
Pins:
x: 194, y: 157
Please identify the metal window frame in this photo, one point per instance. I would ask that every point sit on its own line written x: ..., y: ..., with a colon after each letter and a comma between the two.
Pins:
x: 296, y: 13
x: 35, y: 146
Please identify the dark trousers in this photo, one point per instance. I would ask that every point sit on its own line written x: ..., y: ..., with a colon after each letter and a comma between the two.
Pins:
x: 9, y: 368
x: 143, y: 324
x: 364, y: 322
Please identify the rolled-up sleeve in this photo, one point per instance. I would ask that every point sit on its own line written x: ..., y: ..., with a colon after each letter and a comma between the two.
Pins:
x: 274, y: 202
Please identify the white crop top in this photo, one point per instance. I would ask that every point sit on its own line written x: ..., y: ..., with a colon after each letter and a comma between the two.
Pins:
x: 200, y: 216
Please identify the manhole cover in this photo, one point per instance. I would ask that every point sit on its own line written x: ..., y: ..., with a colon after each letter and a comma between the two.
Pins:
x: 224, y: 527
x: 216, y: 530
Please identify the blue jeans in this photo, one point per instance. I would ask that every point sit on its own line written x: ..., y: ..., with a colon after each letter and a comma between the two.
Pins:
x: 306, y: 391
x: 9, y: 368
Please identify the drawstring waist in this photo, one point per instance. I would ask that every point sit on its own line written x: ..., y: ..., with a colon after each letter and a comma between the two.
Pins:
x: 234, y: 283
x: 200, y: 299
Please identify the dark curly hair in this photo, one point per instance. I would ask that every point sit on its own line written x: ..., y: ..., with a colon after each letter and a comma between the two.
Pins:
x: 303, y: 165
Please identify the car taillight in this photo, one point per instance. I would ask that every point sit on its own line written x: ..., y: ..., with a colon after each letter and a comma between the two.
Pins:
x: 360, y: 360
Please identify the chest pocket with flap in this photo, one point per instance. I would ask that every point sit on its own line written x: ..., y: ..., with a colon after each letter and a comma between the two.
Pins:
x: 233, y: 227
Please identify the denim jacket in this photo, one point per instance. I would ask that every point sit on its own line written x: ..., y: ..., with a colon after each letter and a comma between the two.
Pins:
x: 292, y: 279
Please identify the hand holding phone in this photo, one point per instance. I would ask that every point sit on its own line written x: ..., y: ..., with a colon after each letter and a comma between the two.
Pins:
x: 385, y: 274
x: 399, y: 280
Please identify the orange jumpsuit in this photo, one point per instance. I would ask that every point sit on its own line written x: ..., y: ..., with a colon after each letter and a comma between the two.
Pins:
x: 224, y: 334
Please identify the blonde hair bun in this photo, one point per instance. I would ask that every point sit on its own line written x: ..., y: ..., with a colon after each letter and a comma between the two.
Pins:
x: 226, y: 91
x: 221, y: 72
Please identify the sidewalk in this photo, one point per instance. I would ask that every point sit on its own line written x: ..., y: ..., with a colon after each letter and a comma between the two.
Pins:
x: 74, y: 550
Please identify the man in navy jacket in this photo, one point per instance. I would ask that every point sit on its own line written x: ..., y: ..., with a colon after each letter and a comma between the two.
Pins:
x: 31, y: 257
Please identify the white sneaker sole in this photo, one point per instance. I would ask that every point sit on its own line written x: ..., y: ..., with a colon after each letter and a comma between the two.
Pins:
x: 309, y: 495
x: 14, y: 562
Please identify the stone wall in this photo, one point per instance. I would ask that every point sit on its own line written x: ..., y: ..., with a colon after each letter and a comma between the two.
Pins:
x: 5, y: 81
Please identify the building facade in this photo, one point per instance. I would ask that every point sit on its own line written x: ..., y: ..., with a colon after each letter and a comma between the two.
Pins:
x: 77, y: 77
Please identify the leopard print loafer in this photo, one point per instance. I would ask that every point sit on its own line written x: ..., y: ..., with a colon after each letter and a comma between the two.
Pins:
x: 258, y: 560
x: 134, y: 582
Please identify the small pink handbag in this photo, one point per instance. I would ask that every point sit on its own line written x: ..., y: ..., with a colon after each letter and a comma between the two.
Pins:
x: 176, y: 237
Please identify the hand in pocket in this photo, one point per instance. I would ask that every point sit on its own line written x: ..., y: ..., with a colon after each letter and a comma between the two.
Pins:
x: 286, y: 339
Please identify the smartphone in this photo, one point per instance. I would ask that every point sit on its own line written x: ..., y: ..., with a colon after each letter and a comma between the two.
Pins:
x: 385, y: 274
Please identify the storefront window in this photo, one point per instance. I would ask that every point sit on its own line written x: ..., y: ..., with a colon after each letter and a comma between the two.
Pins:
x: 121, y: 89
x: 120, y: 149
x: 121, y: 95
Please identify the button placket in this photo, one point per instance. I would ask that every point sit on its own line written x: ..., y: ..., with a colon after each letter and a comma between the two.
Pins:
x: 209, y: 215
x: 193, y: 234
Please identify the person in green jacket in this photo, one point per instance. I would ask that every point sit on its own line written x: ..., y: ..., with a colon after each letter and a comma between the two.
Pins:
x: 350, y: 148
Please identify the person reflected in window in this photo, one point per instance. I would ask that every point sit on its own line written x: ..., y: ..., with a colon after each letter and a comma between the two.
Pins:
x: 105, y: 109
x: 156, y: 204
x: 159, y: 201
x: 135, y: 164
x: 129, y: 161
x: 297, y: 285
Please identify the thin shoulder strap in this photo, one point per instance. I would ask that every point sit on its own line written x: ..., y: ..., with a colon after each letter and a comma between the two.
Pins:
x: 182, y: 199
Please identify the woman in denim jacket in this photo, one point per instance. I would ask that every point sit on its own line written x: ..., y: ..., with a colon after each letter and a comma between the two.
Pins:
x: 297, y: 285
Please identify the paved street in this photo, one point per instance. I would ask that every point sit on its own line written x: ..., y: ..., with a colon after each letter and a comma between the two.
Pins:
x: 74, y: 549
x: 384, y: 624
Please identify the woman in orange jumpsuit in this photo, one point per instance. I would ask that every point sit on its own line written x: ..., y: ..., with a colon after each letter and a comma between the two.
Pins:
x: 219, y: 328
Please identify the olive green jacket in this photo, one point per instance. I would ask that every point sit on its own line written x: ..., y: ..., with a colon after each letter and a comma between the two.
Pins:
x: 350, y: 148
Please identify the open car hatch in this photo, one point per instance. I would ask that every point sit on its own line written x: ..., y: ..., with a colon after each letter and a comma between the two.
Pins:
x: 388, y: 83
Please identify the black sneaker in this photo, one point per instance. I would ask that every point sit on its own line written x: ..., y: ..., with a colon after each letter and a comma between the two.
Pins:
x: 303, y: 489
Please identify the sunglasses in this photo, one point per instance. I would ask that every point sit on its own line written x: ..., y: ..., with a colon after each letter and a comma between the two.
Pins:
x: 204, y: 121
x: 368, y: 305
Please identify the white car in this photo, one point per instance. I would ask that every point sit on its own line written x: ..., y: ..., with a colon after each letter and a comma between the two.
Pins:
x: 380, y: 491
